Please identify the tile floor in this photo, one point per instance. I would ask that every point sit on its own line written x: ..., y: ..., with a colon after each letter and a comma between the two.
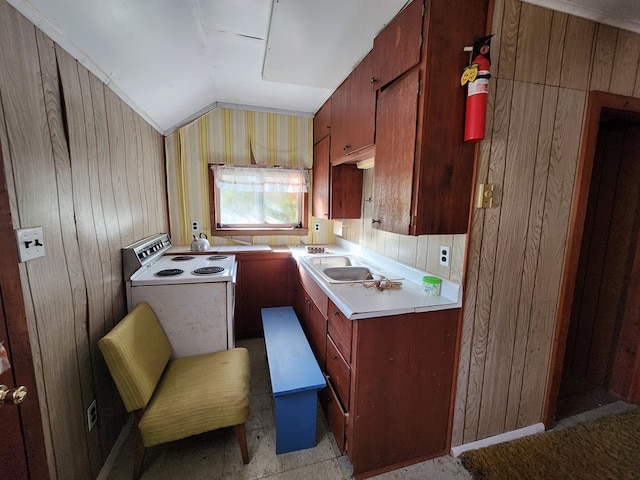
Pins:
x: 216, y: 456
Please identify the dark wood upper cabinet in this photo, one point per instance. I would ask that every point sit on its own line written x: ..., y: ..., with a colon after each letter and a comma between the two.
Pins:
x: 353, y: 112
x: 395, y: 153
x: 423, y: 178
x: 322, y: 122
x: 320, y: 188
x: 337, y: 191
x: 397, y: 47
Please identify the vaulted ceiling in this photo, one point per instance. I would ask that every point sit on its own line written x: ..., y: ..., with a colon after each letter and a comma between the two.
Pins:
x: 172, y: 61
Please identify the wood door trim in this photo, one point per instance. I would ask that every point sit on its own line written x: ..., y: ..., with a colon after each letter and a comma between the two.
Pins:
x: 599, y: 105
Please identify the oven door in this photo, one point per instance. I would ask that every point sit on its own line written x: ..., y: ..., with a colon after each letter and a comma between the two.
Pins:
x: 193, y: 315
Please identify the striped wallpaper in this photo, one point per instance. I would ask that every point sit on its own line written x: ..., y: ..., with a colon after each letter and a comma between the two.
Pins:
x: 231, y: 136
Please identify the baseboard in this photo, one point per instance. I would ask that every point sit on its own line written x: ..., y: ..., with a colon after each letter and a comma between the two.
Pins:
x: 503, y: 437
x: 105, y: 471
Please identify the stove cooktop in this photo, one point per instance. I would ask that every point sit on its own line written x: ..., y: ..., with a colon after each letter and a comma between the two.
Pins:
x: 172, y: 269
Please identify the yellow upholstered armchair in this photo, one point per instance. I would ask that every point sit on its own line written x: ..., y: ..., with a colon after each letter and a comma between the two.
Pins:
x: 174, y: 398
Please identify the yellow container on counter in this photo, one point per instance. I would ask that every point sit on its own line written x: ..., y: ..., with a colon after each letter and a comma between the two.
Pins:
x: 431, y: 285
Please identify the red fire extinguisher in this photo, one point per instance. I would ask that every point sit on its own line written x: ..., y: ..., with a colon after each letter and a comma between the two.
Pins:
x: 477, y: 77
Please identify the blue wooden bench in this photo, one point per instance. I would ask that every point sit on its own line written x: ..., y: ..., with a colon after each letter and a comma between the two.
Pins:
x: 295, y: 379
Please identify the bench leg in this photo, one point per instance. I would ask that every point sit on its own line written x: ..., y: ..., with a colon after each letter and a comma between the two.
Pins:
x: 242, y: 441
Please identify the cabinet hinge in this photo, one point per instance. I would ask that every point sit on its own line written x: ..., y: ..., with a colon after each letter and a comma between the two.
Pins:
x: 424, y: 9
x: 412, y: 220
x: 421, y: 41
x: 419, y: 88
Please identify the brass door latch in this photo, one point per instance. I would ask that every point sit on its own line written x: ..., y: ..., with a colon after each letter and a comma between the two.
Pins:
x: 484, y: 195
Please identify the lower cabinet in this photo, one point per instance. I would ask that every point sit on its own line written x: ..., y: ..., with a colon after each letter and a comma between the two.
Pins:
x: 389, y: 385
x: 264, y: 279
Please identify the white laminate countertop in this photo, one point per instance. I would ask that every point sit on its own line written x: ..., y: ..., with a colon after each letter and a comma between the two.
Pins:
x: 357, y: 301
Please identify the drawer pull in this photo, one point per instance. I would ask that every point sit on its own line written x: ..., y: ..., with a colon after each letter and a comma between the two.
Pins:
x: 334, y: 357
x: 335, y: 314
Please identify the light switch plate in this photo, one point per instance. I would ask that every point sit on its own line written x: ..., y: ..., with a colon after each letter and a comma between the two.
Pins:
x: 30, y: 243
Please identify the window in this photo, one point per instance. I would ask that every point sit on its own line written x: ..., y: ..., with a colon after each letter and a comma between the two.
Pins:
x: 265, y: 200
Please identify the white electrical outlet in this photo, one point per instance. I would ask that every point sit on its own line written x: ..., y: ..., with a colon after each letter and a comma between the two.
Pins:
x: 316, y: 226
x: 195, y: 225
x: 444, y: 255
x: 92, y: 415
x: 30, y: 243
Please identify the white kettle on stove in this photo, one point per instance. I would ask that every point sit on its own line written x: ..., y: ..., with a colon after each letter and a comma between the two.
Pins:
x: 200, y: 243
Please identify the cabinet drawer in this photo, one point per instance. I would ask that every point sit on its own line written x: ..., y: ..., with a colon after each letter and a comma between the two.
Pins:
x: 336, y: 417
x: 340, y: 330
x: 339, y: 372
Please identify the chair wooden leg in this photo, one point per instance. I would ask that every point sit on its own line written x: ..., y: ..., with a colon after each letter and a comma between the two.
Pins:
x: 242, y: 441
x: 138, y: 456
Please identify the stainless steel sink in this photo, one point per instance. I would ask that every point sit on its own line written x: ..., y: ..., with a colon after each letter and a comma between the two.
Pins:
x: 348, y: 274
x: 330, y: 261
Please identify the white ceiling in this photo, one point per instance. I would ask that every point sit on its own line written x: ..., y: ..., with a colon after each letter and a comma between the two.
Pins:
x: 172, y: 61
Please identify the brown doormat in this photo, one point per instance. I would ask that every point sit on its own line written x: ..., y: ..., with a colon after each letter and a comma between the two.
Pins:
x: 606, y: 448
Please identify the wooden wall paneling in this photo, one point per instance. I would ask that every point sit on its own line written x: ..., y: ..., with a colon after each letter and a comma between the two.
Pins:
x: 494, y: 27
x: 603, y: 57
x: 558, y: 200
x: 501, y: 116
x: 625, y: 63
x: 81, y: 245
x: 117, y: 150
x: 509, y: 39
x: 112, y: 282
x: 636, y: 88
x: 532, y: 247
x: 578, y: 49
x: 470, y: 277
x: 556, y: 48
x: 533, y: 44
x: 515, y: 207
x: 157, y: 151
x: 107, y: 399
x: 143, y: 182
x: 132, y: 186
x: 38, y: 200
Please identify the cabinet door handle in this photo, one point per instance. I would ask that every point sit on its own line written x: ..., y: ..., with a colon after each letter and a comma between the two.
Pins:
x: 374, y: 79
x: 335, y: 314
x: 346, y: 147
x: 373, y: 220
x: 334, y: 357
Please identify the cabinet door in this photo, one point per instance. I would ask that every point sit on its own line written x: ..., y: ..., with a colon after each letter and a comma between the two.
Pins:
x: 263, y: 282
x: 322, y: 122
x: 318, y: 330
x: 397, y: 47
x: 395, y: 152
x: 320, y: 189
x: 353, y: 112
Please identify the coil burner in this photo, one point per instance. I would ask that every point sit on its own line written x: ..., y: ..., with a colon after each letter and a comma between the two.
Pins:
x: 207, y: 270
x: 170, y: 272
x: 217, y: 257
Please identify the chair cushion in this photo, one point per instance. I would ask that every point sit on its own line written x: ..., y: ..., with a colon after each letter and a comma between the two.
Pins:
x: 197, y: 394
x: 136, y: 351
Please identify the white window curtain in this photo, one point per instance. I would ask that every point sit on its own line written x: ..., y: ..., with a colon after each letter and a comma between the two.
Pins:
x: 261, y: 179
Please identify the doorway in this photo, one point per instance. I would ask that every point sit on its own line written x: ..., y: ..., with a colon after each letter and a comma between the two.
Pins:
x: 596, y: 358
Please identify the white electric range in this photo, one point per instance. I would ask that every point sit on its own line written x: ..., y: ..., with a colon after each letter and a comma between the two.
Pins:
x: 193, y: 295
